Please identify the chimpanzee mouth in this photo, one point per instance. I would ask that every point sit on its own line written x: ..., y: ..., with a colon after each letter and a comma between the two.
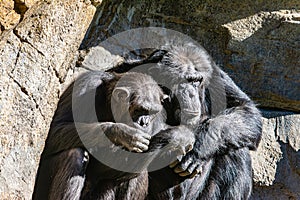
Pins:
x: 143, y: 120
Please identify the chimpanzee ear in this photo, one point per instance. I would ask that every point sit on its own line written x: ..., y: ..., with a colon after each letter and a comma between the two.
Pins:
x: 120, y: 94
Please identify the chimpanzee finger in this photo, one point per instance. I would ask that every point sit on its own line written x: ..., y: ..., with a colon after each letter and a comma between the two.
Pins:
x: 178, y: 169
x: 178, y: 159
x: 189, y: 170
x: 141, y: 146
x: 197, y: 171
x: 173, y: 164
x: 144, y: 135
x: 135, y: 149
x: 183, y: 165
x: 181, y: 150
x: 199, y: 168
x: 185, y: 173
x: 143, y: 140
x: 189, y: 148
x: 194, y: 174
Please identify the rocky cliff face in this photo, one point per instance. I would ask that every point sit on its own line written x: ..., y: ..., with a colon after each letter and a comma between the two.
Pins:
x: 256, y: 42
x: 276, y: 162
x: 37, y: 48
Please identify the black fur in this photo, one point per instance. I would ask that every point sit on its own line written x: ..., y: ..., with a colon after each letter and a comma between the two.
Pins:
x: 224, y: 134
x: 220, y: 157
x: 67, y: 170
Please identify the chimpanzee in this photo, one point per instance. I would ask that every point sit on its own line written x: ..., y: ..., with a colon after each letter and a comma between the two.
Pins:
x: 226, y: 126
x: 125, y: 108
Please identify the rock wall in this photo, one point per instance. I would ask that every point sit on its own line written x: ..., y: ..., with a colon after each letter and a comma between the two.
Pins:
x: 256, y: 42
x: 37, y: 48
x: 276, y: 163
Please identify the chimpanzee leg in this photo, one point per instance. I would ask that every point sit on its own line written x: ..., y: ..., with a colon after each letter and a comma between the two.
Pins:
x: 135, y: 187
x: 165, y: 184
x: 230, y: 178
x: 61, y: 176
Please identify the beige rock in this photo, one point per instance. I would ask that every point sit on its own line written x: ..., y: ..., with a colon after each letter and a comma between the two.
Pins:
x: 35, y: 58
x: 277, y: 160
x: 268, y: 154
x: 8, y: 17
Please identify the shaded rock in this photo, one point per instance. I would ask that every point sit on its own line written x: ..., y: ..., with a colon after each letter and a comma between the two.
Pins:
x: 256, y: 42
x: 264, y: 58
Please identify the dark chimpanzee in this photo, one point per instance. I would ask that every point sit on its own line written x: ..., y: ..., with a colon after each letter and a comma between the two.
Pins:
x: 226, y: 126
x: 128, y: 113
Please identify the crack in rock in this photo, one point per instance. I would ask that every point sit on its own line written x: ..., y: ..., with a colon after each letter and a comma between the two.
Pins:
x: 25, y: 91
x: 26, y: 41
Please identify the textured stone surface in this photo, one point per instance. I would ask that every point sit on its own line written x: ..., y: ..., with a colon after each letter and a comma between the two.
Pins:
x: 264, y: 55
x: 8, y: 16
x: 276, y: 164
x: 35, y: 58
x: 256, y: 42
x: 12, y: 11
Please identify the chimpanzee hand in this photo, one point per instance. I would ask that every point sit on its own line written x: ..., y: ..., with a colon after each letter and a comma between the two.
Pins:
x: 193, y: 162
x: 130, y: 138
x: 176, y: 139
x: 188, y: 165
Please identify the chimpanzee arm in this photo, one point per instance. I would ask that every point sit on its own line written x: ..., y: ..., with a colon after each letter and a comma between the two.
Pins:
x: 104, y: 134
x: 75, y: 122
x: 63, y: 134
x: 239, y: 125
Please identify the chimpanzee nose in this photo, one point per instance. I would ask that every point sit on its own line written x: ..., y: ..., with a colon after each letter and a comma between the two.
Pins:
x: 191, y: 95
